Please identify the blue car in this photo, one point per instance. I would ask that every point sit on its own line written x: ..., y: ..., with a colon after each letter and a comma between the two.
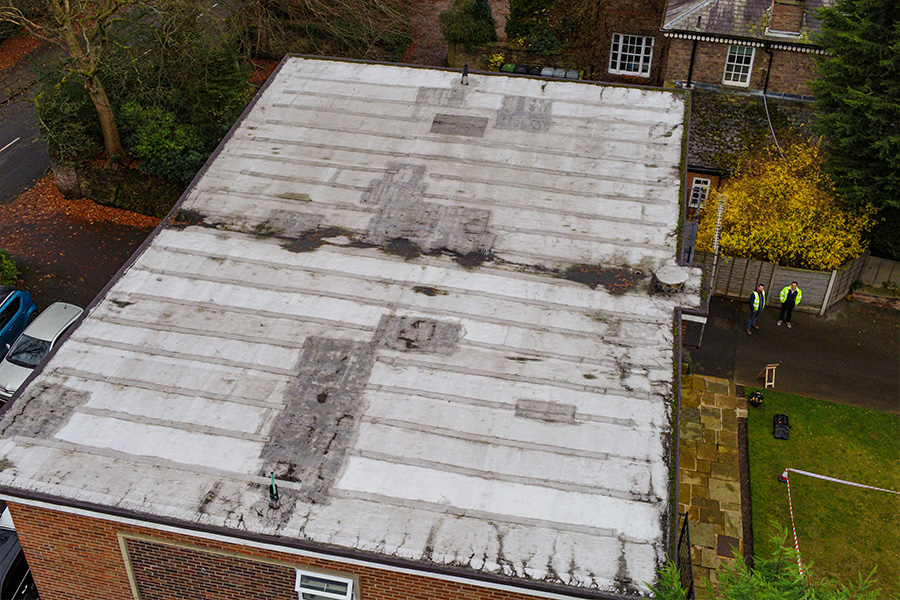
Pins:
x: 16, y: 311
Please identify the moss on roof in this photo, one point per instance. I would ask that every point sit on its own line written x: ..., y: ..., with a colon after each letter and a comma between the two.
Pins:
x: 725, y: 125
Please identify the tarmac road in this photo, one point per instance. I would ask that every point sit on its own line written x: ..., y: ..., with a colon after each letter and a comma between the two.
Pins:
x: 851, y: 355
x: 23, y: 153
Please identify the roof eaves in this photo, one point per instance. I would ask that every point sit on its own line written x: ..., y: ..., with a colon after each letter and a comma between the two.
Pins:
x: 744, y: 41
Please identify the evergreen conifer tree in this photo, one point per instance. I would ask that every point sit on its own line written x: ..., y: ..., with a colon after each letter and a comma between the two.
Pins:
x: 858, y: 100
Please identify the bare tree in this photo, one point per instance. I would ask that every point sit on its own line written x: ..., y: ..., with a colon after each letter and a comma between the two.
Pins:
x: 81, y: 29
x: 352, y: 27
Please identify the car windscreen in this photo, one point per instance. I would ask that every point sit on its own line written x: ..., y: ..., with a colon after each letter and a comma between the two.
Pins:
x: 28, y: 352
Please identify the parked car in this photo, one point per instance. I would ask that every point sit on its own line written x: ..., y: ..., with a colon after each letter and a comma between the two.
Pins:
x: 16, y: 311
x: 33, y: 345
x: 16, y: 582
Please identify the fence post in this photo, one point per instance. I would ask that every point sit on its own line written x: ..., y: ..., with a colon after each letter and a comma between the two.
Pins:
x: 683, y: 560
x: 772, y: 278
x: 827, y: 297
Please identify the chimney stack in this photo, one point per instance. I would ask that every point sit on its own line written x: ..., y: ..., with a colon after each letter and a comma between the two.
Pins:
x: 786, y: 16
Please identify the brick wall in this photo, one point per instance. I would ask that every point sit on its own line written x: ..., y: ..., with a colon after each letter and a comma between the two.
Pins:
x: 714, y: 182
x: 74, y: 557
x: 627, y: 17
x: 790, y: 70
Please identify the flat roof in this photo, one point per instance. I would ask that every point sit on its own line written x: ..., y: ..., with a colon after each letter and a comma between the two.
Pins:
x: 424, y: 306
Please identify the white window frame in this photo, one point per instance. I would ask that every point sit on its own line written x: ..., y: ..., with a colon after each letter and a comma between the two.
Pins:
x: 631, y: 55
x: 699, y: 192
x: 307, y: 592
x: 737, y: 69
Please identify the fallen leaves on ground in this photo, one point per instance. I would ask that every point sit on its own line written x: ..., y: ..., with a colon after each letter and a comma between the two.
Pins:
x: 44, y: 207
x: 16, y: 48
x: 262, y: 68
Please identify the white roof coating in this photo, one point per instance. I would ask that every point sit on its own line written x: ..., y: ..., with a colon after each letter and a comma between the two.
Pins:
x: 424, y: 306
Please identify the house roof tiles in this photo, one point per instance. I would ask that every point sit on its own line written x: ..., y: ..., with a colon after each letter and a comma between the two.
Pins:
x: 737, y: 18
x: 724, y: 125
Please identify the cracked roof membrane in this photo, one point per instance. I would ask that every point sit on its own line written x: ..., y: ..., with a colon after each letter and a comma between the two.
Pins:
x: 489, y: 414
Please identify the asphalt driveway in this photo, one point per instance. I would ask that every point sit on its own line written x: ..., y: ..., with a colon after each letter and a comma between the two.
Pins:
x: 851, y: 355
x: 67, y: 250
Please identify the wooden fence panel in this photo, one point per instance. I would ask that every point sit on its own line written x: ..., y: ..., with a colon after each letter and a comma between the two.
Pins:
x: 813, y: 284
x: 847, y: 275
x: 737, y: 277
x: 879, y: 271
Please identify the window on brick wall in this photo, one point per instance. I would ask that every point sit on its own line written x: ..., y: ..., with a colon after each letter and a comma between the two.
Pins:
x: 630, y: 55
x: 699, y: 192
x: 738, y: 65
x: 316, y: 586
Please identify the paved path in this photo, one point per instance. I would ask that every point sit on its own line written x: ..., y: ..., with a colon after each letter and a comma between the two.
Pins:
x: 851, y: 355
x: 710, y: 486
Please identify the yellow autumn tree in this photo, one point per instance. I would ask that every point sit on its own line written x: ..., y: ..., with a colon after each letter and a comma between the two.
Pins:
x: 784, y: 210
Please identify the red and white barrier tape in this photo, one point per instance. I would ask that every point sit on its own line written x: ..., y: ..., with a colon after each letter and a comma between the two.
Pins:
x: 793, y: 526
x: 859, y: 485
x: 826, y: 478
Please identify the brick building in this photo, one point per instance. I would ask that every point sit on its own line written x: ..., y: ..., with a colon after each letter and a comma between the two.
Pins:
x: 763, y: 46
x: 761, y: 54
x: 397, y: 341
x: 631, y: 48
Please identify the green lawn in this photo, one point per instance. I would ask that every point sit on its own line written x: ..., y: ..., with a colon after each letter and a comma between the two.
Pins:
x: 842, y: 530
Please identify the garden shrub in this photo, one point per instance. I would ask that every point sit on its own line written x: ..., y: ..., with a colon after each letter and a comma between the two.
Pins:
x: 469, y: 22
x: 524, y: 15
x: 164, y: 146
x: 67, y: 120
x: 784, y: 209
x: 9, y: 273
x: 543, y: 41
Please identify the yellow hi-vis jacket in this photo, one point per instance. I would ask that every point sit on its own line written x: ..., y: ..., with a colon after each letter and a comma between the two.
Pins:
x: 757, y: 300
x: 787, y: 290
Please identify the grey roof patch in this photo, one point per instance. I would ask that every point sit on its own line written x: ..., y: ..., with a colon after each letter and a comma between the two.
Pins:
x: 311, y: 435
x: 46, y: 415
x: 524, y: 114
x: 542, y: 410
x: 452, y: 98
x: 417, y: 334
x: 459, y: 125
x: 400, y: 183
x: 428, y: 226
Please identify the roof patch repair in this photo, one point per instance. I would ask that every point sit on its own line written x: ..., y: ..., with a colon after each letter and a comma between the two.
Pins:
x: 428, y: 226
x: 309, y: 439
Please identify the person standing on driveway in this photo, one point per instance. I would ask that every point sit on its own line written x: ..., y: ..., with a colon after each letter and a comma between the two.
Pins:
x: 757, y: 303
x: 790, y: 297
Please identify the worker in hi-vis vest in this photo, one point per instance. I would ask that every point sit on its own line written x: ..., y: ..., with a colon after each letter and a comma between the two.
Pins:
x: 757, y: 303
x: 790, y: 297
